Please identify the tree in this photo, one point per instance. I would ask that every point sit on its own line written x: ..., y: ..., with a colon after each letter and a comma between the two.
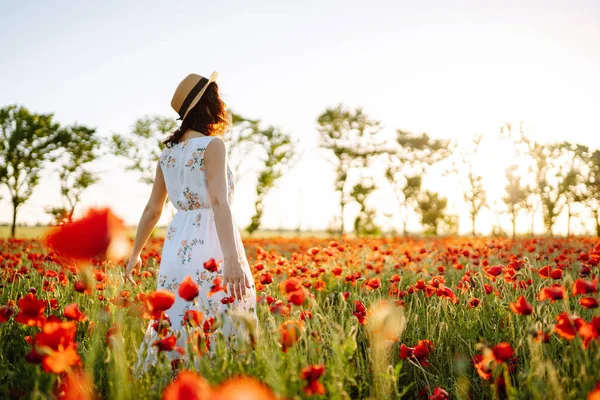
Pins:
x: 143, y: 145
x: 277, y: 154
x: 240, y: 143
x: 591, y: 180
x: 411, y: 155
x: 432, y: 209
x: 516, y: 196
x: 81, y: 148
x: 364, y: 223
x: 27, y: 142
x: 350, y: 137
x: 474, y: 193
x: 573, y: 182
x: 555, y: 175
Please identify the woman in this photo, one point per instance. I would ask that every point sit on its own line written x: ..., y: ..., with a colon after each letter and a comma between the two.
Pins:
x: 194, y: 172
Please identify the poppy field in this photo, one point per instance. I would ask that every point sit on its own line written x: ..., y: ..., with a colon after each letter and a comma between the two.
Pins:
x: 340, y: 318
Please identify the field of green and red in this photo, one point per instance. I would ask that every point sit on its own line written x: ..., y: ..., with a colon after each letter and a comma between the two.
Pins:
x: 460, y: 318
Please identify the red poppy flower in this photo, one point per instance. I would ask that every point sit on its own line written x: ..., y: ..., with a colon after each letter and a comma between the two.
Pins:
x: 483, y: 365
x: 5, y: 313
x: 544, y: 272
x: 588, y: 302
x: 373, y: 283
x: 31, y: 310
x: 492, y: 272
x: 188, y: 385
x: 419, y: 352
x: 211, y: 265
x: 73, y: 312
x: 76, y: 385
x: 159, y: 301
x: 360, y: 312
x: 167, y: 344
x: 279, y: 308
x: 595, y: 393
x: 265, y: 279
x: 588, y: 332
x: 290, y: 332
x: 488, y: 288
x: 311, y: 374
x: 209, y: 325
x: 337, y: 271
x: 420, y: 285
x: 521, y: 307
x: 474, y: 302
x: 567, y: 325
x: 503, y: 352
x: 554, y: 292
x: 82, y: 287
x: 227, y: 300
x: 193, y: 317
x: 188, y: 289
x: 292, y: 287
x: 99, y: 233
x: 306, y: 314
x: 216, y: 287
x: 581, y: 286
x: 55, y: 347
x: 242, y: 388
x: 439, y: 394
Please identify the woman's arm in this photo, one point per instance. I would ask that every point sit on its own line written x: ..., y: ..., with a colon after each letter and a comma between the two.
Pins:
x: 215, y: 160
x: 149, y: 218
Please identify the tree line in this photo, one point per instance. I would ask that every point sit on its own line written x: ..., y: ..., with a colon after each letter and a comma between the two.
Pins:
x: 566, y: 175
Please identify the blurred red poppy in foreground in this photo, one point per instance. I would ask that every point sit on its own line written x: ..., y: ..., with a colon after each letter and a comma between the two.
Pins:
x: 77, y: 385
x: 97, y: 234
x: 55, y: 347
x: 193, y: 386
x: 187, y: 385
x: 242, y: 388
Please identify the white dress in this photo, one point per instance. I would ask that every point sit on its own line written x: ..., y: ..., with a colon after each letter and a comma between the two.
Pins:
x: 190, y: 241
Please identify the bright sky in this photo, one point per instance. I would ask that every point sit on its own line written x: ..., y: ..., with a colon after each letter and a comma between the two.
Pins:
x: 451, y: 69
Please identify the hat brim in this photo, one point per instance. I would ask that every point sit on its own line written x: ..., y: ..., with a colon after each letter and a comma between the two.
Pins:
x: 213, y: 78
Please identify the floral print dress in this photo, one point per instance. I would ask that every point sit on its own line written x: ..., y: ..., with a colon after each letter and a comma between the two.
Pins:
x: 191, y: 240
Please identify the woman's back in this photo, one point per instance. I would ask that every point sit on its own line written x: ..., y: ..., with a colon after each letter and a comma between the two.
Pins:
x: 184, y: 172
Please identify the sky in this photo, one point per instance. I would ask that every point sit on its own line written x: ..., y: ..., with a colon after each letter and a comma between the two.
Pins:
x: 452, y: 69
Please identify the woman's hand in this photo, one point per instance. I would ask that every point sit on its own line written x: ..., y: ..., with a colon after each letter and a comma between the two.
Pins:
x: 233, y: 274
x: 134, y: 263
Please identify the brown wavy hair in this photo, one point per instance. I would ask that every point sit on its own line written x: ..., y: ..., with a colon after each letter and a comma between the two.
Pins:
x: 209, y: 117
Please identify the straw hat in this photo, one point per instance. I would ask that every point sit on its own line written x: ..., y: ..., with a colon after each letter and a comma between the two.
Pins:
x: 189, y: 92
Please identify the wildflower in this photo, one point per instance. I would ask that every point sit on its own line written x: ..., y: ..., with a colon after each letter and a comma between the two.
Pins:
x: 290, y: 332
x: 211, y: 265
x: 187, y: 385
x: 311, y: 374
x: 31, y: 310
x: 555, y: 292
x: 418, y: 353
x: 581, y: 286
x: 188, y: 289
x: 99, y: 233
x: 521, y: 307
x: 73, y: 312
x: 55, y: 347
